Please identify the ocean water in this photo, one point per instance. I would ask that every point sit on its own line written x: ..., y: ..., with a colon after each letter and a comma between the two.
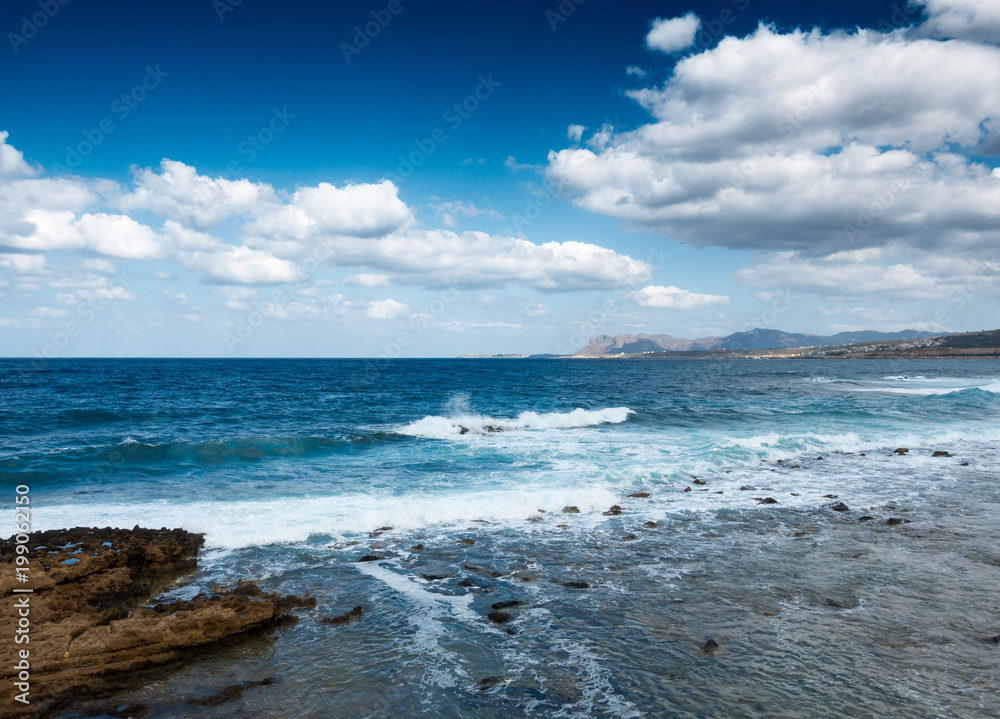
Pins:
x: 289, y: 467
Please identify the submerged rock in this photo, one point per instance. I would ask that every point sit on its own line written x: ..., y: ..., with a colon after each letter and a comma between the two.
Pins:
x: 640, y: 495
x: 613, y: 512
x: 233, y: 691
x: 498, y: 617
x: 896, y: 520
x: 467, y: 541
x: 508, y: 603
x: 345, y: 617
x: 576, y: 585
x: 747, y: 488
x: 369, y: 558
x: 571, y: 510
x: 866, y: 518
x: 629, y: 537
x: 829, y: 496
x: 940, y: 453
x: 710, y: 646
x: 766, y: 500
x: 839, y: 507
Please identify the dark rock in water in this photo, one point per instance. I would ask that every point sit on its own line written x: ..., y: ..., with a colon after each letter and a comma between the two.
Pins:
x: 491, y: 428
x: 614, y: 511
x: 571, y: 510
x: 829, y: 496
x: 820, y: 457
x: 896, y: 520
x: 563, y: 526
x: 629, y: 537
x: 344, y: 618
x: 901, y: 450
x: 508, y: 603
x: 417, y: 547
x: 576, y: 585
x: 369, y: 558
x: 489, y: 682
x: 941, y: 453
x: 467, y: 541
x: 766, y: 500
x: 720, y: 492
x: 747, y: 488
x: 963, y: 464
x: 710, y: 646
x: 835, y: 604
x: 650, y: 524
x: 863, y: 454
x: 796, y: 466
x: 466, y: 583
x: 866, y: 518
x: 993, y: 640
x: 839, y: 507
x: 700, y: 482
x: 535, y: 518
x: 640, y: 495
x: 780, y: 461
x: 498, y: 617
x: 435, y: 577
x: 794, y: 494
x: 463, y: 430
x: 688, y: 489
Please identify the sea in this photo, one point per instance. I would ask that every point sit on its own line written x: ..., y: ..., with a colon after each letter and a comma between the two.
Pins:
x: 782, y: 559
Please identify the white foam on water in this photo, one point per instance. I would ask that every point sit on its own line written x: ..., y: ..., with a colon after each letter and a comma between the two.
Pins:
x: 439, y: 427
x: 234, y: 524
x: 428, y: 622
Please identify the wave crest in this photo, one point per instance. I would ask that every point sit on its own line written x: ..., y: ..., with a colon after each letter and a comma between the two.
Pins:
x: 435, y: 426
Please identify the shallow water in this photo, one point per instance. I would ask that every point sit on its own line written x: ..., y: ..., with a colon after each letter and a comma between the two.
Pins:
x: 289, y: 465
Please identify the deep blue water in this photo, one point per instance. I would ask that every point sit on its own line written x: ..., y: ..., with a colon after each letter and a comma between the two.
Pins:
x: 287, y: 465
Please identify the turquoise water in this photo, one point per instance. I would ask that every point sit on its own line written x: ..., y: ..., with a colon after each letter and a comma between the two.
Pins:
x: 288, y: 466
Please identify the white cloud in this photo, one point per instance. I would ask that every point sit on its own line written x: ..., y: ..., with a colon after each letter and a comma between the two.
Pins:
x: 367, y: 280
x: 12, y: 162
x: 575, y: 132
x: 242, y: 265
x: 22, y: 264
x: 161, y: 275
x: 673, y: 34
x: 799, y: 140
x: 47, y: 312
x: 180, y: 193
x: 977, y: 20
x: 636, y: 71
x: 674, y: 298
x: 99, y: 266
x: 386, y: 310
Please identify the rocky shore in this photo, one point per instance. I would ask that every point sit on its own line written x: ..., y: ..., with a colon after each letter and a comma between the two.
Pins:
x: 90, y: 628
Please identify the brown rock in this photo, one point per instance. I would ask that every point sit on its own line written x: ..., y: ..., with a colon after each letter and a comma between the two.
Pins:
x: 498, y: 617
x: 687, y: 489
x: 345, y: 617
x: 901, y: 450
x: 650, y: 525
x: 90, y: 634
x: 640, y: 495
x: 941, y: 453
x: 613, y: 512
x: 571, y: 510
x: 700, y: 482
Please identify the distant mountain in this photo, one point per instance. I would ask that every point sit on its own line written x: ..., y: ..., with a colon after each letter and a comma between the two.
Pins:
x: 756, y: 339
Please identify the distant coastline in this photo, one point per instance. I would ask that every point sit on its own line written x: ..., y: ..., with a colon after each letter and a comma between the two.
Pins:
x: 980, y: 345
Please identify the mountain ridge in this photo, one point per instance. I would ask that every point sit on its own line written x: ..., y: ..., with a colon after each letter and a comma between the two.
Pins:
x: 755, y: 339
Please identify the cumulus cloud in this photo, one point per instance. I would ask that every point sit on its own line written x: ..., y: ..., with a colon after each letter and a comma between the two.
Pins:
x: 367, y: 280
x: 808, y: 142
x: 977, y: 20
x: 673, y: 34
x: 674, y: 298
x: 12, y: 162
x: 180, y: 193
x: 21, y: 264
x: 386, y: 310
x: 575, y: 132
x: 276, y: 235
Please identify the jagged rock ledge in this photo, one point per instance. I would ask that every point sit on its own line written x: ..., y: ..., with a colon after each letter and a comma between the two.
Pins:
x: 90, y: 634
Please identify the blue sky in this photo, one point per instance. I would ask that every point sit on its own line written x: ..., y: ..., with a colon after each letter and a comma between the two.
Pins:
x: 428, y: 179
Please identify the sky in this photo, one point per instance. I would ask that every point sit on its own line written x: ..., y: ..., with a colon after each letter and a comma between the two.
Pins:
x: 244, y: 178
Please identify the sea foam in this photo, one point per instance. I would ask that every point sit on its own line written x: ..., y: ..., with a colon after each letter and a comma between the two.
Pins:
x: 438, y: 427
